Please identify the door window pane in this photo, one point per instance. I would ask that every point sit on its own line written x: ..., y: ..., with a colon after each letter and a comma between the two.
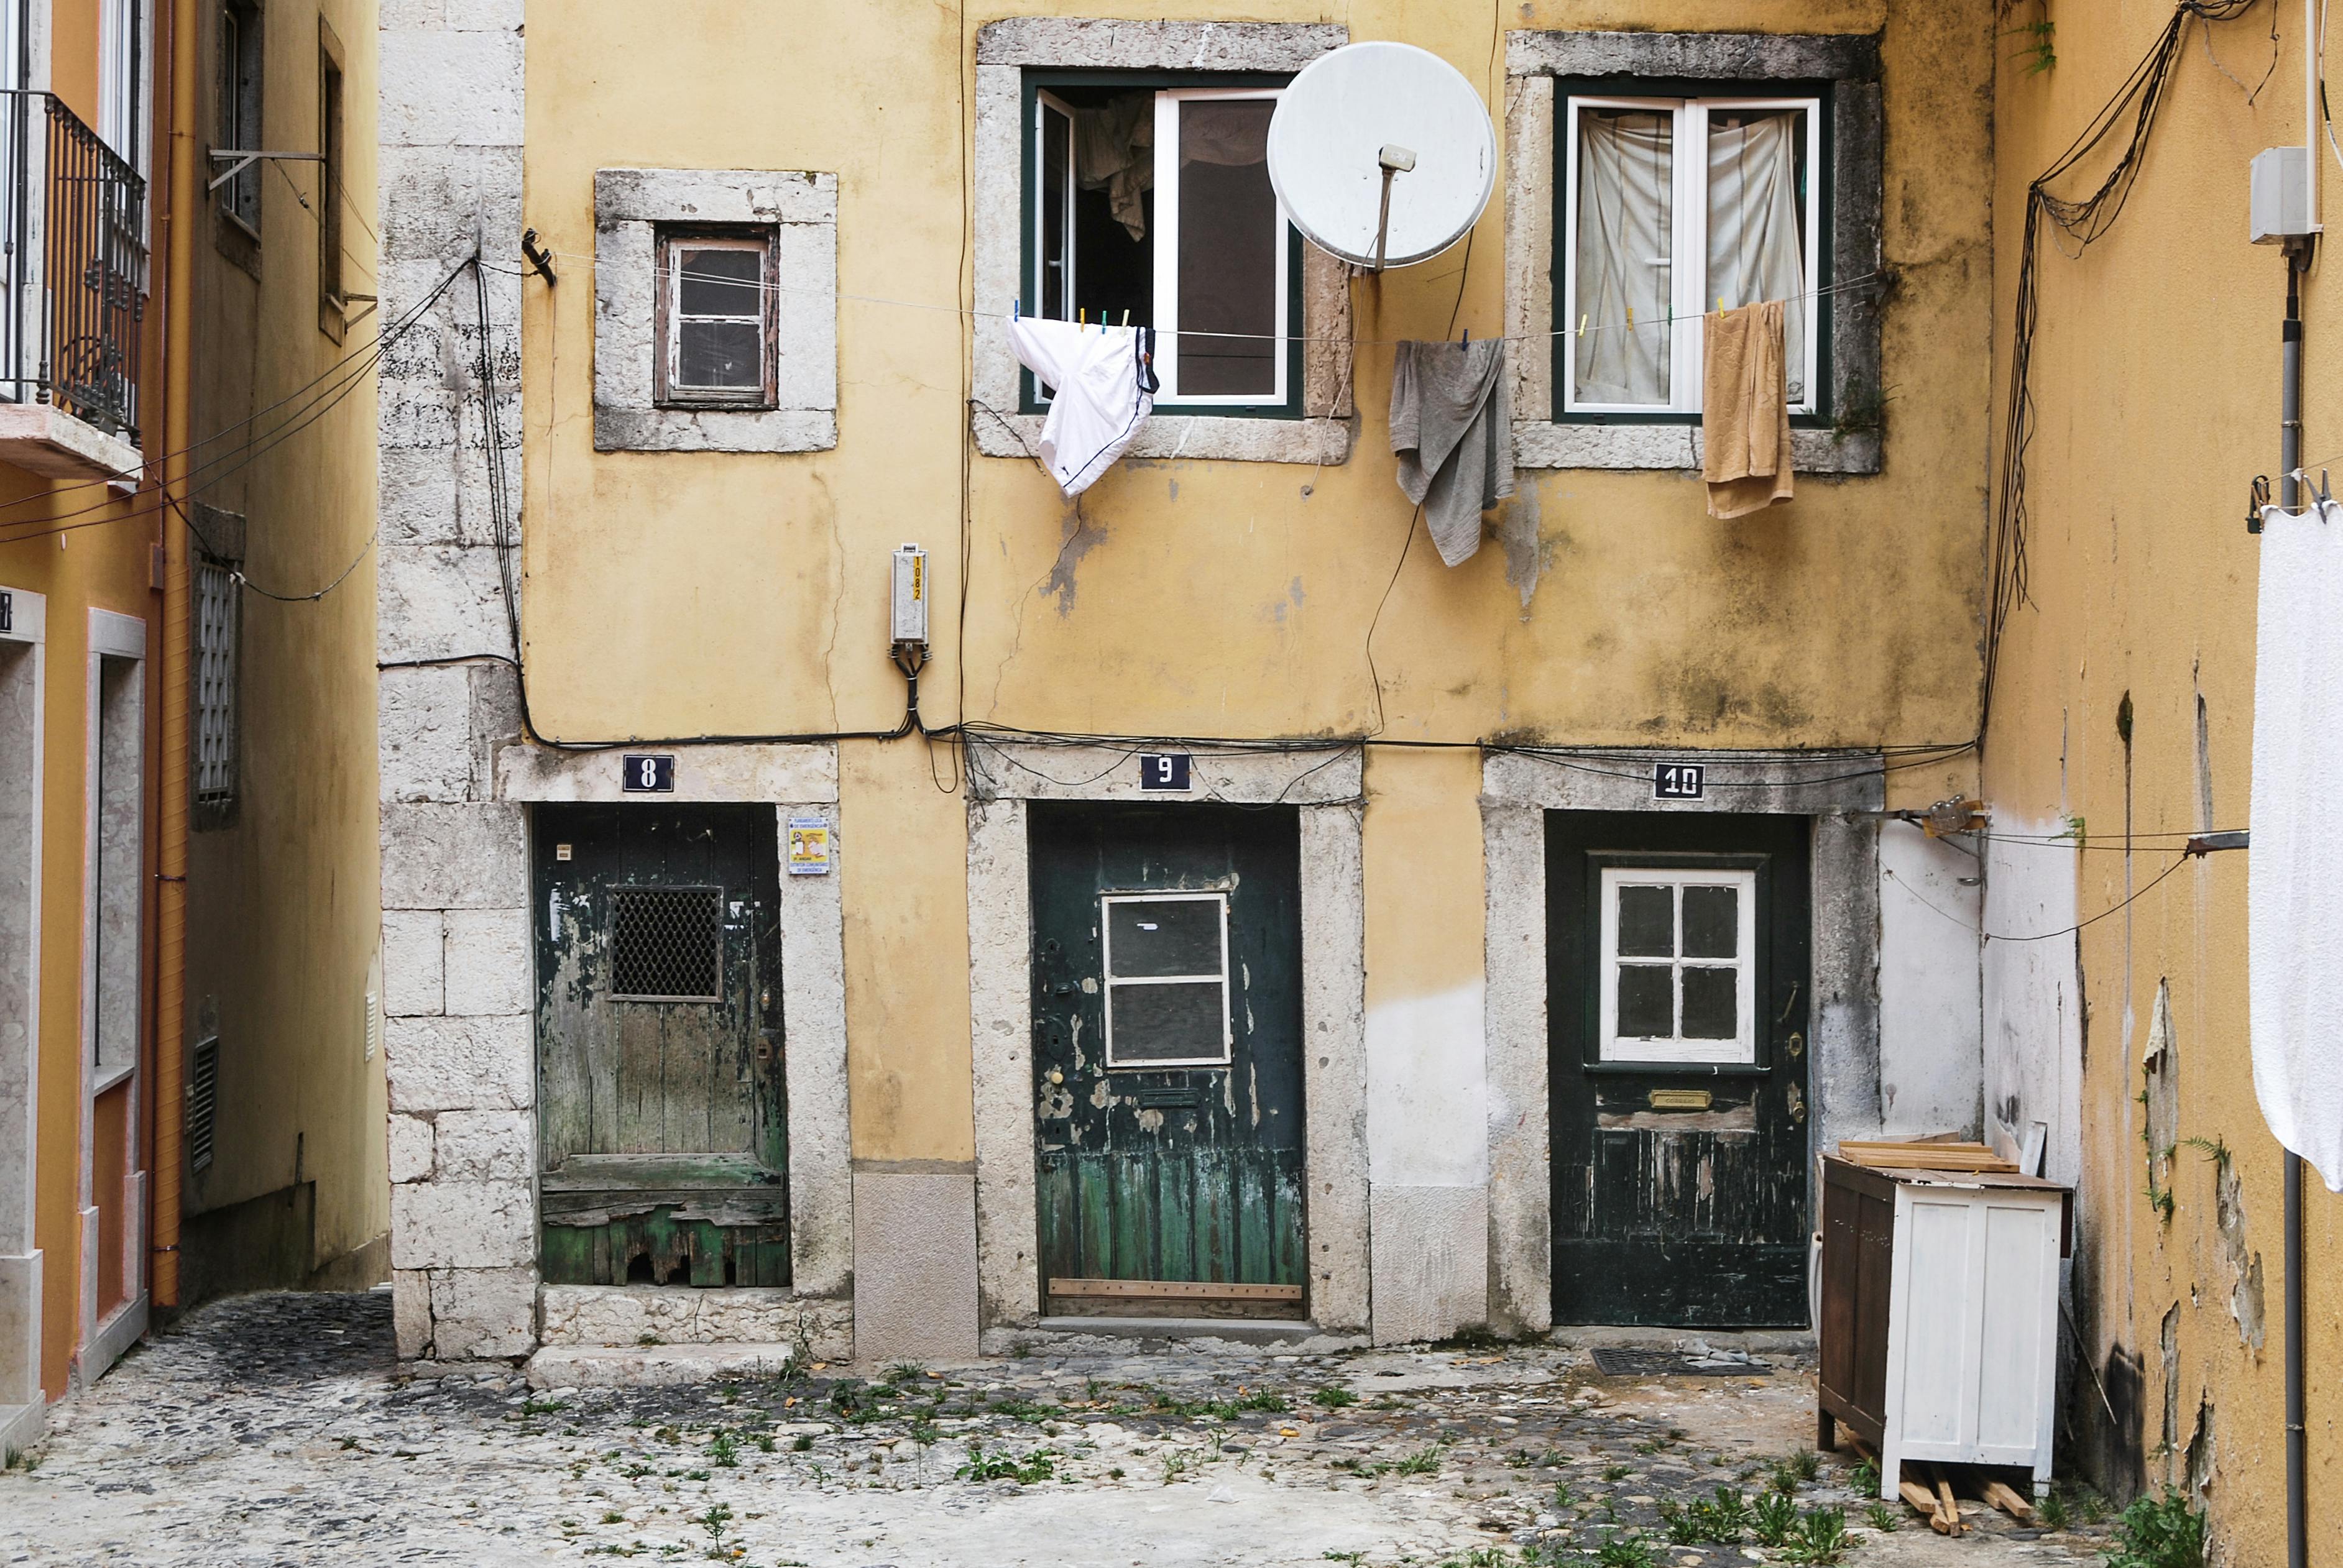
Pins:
x: 1165, y: 937
x: 1646, y: 1001
x: 1647, y: 923
x: 1711, y: 922
x: 1228, y: 250
x: 1185, y: 1021
x: 1709, y: 1003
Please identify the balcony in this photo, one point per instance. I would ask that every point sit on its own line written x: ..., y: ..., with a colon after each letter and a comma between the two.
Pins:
x: 73, y: 277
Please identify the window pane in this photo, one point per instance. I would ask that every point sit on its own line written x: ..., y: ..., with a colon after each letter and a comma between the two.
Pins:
x: 1228, y: 250
x: 1756, y: 220
x: 1647, y: 1003
x: 1711, y: 922
x: 722, y: 354
x: 1710, y: 1009
x: 1175, y: 936
x: 1625, y: 242
x: 1057, y: 176
x: 1647, y: 923
x: 1175, y: 1022
x: 721, y: 282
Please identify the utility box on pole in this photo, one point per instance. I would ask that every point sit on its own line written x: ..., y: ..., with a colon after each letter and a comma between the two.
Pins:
x: 2281, y: 195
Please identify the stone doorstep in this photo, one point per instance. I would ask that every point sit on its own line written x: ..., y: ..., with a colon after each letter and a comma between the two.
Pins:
x: 1293, y: 1334
x: 653, y: 1366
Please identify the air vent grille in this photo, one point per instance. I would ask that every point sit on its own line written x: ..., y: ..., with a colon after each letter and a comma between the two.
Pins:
x: 203, y: 1102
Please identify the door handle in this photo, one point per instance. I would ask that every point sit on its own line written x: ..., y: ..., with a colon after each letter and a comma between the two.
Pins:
x: 1797, y: 1046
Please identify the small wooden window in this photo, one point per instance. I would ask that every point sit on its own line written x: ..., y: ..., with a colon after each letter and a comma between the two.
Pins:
x: 717, y: 320
x: 203, y: 1102
x: 239, y: 108
x: 1167, y: 979
x: 1679, y: 965
x: 215, y: 673
x: 330, y: 195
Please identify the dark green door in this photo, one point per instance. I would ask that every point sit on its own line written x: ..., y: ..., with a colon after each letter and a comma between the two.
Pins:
x: 1678, y: 986
x: 1167, y: 1058
x: 661, y: 1107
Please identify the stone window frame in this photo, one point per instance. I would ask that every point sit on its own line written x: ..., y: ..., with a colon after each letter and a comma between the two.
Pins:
x: 1534, y: 61
x: 1842, y: 1066
x: 798, y: 209
x: 1005, y: 50
x: 1004, y: 777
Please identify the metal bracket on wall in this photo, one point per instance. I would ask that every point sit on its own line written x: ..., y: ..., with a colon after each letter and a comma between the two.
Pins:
x: 244, y: 159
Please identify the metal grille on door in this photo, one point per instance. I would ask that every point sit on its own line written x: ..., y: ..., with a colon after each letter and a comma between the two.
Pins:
x: 667, y: 944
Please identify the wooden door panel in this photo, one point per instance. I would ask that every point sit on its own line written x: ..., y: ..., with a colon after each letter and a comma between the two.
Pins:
x: 662, y: 1100
x: 1178, y: 1174
x: 1680, y: 1189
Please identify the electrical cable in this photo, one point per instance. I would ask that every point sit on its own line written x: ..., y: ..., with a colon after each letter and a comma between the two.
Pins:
x: 2085, y: 220
x: 2153, y: 883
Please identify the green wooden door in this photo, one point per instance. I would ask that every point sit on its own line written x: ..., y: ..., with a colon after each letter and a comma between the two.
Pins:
x: 1167, y: 1058
x: 660, y: 1106
x: 1678, y: 986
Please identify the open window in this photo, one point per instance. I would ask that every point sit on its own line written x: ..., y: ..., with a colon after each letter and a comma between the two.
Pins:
x: 238, y: 106
x: 1152, y: 205
x: 1672, y: 207
x: 717, y: 323
x: 1678, y: 981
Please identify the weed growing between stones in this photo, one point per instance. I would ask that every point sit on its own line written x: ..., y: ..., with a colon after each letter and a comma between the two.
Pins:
x: 724, y: 1449
x: 716, y: 1521
x: 1773, y: 1517
x: 1866, y: 1479
x: 2160, y: 1532
x: 1882, y: 1518
x: 1040, y: 1464
x: 802, y: 1443
x: 1822, y: 1539
x: 1333, y: 1396
x: 1629, y: 1551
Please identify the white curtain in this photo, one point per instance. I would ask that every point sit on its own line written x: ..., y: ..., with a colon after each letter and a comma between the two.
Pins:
x: 1114, y: 151
x: 1626, y: 232
x: 1755, y: 243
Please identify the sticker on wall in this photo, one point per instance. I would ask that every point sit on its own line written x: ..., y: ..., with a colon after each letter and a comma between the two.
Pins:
x: 808, y: 847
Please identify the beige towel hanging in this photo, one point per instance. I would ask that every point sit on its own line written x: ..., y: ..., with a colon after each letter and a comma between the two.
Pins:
x: 1745, y: 402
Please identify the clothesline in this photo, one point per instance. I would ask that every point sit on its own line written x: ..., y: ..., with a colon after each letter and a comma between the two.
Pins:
x: 1867, y: 280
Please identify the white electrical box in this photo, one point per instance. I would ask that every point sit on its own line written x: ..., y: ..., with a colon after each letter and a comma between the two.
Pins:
x: 2281, y: 197
x: 908, y: 616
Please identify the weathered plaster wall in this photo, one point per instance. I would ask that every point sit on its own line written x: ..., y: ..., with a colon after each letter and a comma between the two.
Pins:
x: 2124, y: 707
x: 282, y: 905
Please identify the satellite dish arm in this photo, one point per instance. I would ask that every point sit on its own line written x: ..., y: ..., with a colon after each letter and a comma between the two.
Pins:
x: 1393, y: 160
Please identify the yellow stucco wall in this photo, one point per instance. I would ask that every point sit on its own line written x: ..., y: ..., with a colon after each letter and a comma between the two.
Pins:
x: 2156, y: 372
x: 671, y: 594
x: 283, y: 902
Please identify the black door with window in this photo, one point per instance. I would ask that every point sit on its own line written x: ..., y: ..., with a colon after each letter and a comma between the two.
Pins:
x: 1678, y: 985
x: 1167, y: 1058
x: 660, y: 1108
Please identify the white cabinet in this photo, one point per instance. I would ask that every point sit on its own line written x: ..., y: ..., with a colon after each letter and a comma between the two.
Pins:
x: 1940, y: 1313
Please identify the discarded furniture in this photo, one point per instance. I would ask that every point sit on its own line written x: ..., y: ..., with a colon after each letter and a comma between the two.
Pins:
x: 1939, y: 1314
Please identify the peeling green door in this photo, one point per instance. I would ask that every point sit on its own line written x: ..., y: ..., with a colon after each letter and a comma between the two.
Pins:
x: 1679, y: 985
x: 660, y: 1106
x: 1167, y: 1058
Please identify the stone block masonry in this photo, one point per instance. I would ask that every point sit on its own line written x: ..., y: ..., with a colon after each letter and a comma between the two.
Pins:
x: 455, y: 878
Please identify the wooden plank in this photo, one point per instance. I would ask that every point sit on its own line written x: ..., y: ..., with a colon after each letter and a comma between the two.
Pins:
x: 1947, y: 1510
x: 1255, y: 1216
x: 1172, y: 1290
x: 1176, y: 1217
x: 1135, y: 1249
x: 642, y: 1088
x: 684, y: 1172
x: 2002, y: 1496
x: 1899, y: 1156
x: 1216, y: 1219
x: 1094, y: 1203
x: 1923, y: 1502
x: 1060, y: 1239
x: 1290, y: 1265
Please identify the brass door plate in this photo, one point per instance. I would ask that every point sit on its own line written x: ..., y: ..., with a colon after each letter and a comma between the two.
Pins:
x: 1681, y: 1100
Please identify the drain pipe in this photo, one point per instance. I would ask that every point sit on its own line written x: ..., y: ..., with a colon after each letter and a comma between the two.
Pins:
x: 2291, y: 493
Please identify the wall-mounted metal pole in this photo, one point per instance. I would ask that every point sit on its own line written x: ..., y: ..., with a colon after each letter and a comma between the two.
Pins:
x: 2289, y: 442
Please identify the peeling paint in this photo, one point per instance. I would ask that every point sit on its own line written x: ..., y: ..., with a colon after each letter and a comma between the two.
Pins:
x: 2245, y: 1266
x: 1517, y: 530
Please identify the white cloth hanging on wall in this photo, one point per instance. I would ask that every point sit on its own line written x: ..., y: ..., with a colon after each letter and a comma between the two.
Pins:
x: 2294, y: 865
x: 1103, y: 381
x: 1754, y: 243
x: 1626, y: 211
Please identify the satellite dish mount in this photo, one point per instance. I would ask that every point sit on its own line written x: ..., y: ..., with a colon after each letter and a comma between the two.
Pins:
x: 1393, y: 160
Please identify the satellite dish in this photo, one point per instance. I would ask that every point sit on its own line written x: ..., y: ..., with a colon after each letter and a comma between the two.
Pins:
x: 1383, y: 154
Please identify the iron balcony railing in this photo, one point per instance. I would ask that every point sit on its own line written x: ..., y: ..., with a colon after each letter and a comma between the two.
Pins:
x: 73, y: 272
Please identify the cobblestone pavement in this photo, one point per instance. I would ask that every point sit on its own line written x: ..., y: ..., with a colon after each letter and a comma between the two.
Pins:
x: 278, y: 1429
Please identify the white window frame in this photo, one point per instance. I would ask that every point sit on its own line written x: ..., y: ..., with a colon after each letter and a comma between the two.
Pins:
x: 1047, y: 103
x: 1739, y: 1051
x: 1690, y: 225
x: 1165, y: 237
x: 124, y: 68
x: 1109, y: 980
x: 676, y: 390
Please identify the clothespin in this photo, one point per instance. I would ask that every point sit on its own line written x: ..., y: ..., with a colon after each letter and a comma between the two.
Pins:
x: 2326, y: 500
x: 1631, y: 318
x: 1581, y: 325
x: 1126, y: 315
x: 1083, y: 318
x: 1720, y: 307
x: 1016, y: 309
x: 1467, y: 343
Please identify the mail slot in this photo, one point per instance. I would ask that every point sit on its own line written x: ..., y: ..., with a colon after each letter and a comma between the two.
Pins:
x: 1680, y: 1100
